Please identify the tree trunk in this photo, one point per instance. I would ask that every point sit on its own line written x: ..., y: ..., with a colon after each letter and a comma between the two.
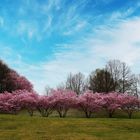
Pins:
x: 130, y: 115
x: 88, y: 114
x: 110, y: 115
x: 30, y: 112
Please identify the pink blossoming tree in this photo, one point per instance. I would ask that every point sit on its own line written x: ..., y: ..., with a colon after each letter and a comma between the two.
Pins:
x: 63, y: 100
x: 25, y: 100
x: 89, y: 103
x: 45, y: 105
x: 129, y: 104
x: 110, y: 103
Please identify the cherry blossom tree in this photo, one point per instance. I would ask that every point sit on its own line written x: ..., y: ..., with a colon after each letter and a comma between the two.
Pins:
x: 63, y: 100
x: 4, y: 105
x: 25, y: 100
x: 45, y: 105
x: 14, y: 82
x: 110, y: 103
x: 129, y: 104
x: 89, y: 103
x: 7, y: 105
x: 10, y: 80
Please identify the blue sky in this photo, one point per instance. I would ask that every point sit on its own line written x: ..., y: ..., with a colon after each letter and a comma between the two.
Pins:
x: 44, y: 40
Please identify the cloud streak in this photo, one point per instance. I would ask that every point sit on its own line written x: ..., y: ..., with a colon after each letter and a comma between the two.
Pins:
x: 96, y: 51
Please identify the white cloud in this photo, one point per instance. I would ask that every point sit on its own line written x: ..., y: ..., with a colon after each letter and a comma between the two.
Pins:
x: 28, y: 29
x: 48, y: 24
x: 122, y: 43
x: 117, y: 42
x: 77, y: 28
x: 95, y: 51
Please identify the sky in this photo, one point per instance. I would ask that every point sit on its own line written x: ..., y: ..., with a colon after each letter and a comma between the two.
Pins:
x: 45, y: 40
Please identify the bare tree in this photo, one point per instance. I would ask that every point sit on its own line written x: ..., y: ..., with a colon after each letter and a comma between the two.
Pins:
x: 48, y: 90
x: 135, y: 86
x: 121, y: 74
x: 126, y: 80
x: 76, y: 82
x: 114, y: 68
x: 61, y: 86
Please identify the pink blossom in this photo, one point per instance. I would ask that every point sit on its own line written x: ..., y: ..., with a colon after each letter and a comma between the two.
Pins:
x: 63, y: 100
x: 129, y: 104
x: 45, y: 105
x: 89, y: 103
x: 110, y: 103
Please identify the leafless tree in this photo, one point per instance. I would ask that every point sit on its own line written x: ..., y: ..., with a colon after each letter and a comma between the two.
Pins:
x: 121, y: 74
x: 62, y: 85
x: 135, y: 86
x: 76, y: 82
x: 48, y: 90
x: 126, y: 80
x: 114, y: 68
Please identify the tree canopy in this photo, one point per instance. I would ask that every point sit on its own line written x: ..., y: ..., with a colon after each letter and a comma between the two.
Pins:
x: 10, y: 80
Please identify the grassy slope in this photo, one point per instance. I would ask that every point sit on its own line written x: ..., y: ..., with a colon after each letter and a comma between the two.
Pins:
x: 23, y: 127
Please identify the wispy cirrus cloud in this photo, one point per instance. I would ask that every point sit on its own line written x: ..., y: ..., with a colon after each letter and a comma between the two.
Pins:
x: 111, y: 43
x: 89, y: 53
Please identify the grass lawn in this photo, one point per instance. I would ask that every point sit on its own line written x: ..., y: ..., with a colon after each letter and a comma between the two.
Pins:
x: 23, y: 127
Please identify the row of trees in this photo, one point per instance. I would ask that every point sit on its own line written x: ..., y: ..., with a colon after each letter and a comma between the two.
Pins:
x: 63, y: 100
x: 10, y: 80
x: 116, y: 76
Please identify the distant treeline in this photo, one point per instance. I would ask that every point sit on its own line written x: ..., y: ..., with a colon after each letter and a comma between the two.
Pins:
x: 116, y: 76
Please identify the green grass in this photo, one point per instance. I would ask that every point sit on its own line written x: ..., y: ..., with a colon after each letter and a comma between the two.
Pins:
x: 23, y: 127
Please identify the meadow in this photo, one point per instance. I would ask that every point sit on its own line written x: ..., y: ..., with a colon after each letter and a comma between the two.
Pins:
x: 73, y: 127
